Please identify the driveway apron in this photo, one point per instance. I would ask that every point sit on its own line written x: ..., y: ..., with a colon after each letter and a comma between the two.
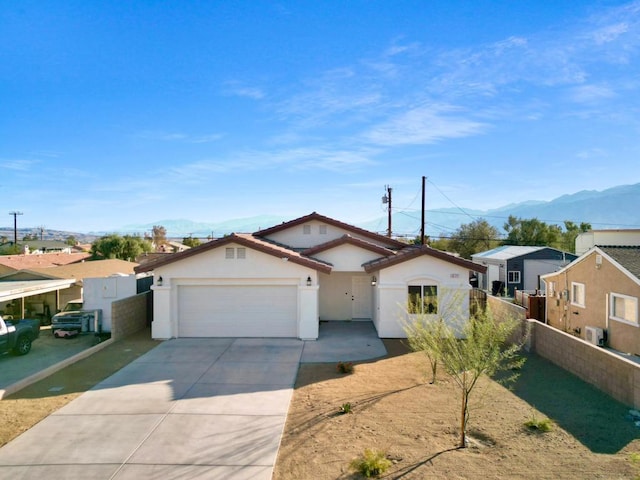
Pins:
x: 190, y: 408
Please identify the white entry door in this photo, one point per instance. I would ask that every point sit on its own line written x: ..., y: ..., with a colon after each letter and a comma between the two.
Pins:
x: 360, y: 297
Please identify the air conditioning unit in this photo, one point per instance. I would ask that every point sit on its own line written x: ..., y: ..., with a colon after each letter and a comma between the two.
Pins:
x: 595, y: 336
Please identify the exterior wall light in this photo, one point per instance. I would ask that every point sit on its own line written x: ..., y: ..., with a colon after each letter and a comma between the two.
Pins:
x: 374, y: 281
x: 159, y: 281
x: 308, y: 281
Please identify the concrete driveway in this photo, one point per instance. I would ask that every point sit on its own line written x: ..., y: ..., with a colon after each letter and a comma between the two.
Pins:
x: 189, y: 408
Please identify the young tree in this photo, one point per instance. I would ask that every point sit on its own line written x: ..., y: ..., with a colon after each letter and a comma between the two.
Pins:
x: 466, y: 352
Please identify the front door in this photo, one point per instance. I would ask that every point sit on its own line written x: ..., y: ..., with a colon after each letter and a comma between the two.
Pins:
x: 360, y: 297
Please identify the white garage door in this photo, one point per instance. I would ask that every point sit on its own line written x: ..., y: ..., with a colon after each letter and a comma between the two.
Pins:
x: 237, y: 311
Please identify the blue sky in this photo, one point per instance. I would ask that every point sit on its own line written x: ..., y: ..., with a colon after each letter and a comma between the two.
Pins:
x: 118, y: 113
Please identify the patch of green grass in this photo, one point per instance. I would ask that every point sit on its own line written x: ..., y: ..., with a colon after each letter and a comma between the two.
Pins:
x: 345, y: 408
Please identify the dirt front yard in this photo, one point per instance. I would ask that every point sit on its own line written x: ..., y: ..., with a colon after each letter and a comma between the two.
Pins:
x: 396, y: 410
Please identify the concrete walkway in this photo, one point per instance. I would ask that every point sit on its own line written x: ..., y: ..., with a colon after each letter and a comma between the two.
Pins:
x: 189, y: 408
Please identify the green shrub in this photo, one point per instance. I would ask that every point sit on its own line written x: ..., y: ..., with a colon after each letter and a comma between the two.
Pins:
x: 544, y: 425
x: 344, y: 367
x: 372, y: 463
x: 345, y: 408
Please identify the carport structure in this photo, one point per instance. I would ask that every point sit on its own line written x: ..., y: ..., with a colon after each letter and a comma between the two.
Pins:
x: 24, y: 289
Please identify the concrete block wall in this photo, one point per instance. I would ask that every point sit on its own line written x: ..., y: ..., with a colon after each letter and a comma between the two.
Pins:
x: 129, y: 315
x: 608, y: 371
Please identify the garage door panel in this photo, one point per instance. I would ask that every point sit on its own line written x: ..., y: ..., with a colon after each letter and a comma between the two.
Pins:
x: 237, y: 311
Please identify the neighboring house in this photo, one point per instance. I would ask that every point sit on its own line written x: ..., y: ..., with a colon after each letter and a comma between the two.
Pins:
x: 36, y: 247
x: 513, y: 267
x: 626, y: 238
x: 281, y: 281
x: 600, y: 289
x: 49, y: 303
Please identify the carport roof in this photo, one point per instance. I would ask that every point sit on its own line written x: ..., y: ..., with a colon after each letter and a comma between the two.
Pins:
x: 19, y: 289
x: 246, y: 240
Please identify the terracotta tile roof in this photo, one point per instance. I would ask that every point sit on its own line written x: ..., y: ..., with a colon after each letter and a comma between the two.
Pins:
x: 246, y: 240
x: 330, y: 221
x: 348, y: 240
x: 22, y: 262
x: 412, y: 252
x: 627, y: 257
x: 90, y: 269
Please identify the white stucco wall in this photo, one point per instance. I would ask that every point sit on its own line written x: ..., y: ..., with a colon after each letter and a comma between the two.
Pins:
x: 99, y: 293
x: 295, y: 237
x: 347, y: 258
x: 391, y: 292
x: 213, y: 268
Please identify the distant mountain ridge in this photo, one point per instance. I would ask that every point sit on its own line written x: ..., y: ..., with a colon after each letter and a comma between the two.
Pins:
x: 613, y: 208
x: 617, y: 207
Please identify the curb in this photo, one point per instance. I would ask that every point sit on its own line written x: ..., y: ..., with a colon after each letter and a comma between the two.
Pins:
x: 25, y: 382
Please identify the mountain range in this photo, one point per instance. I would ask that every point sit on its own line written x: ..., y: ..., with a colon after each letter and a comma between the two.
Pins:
x: 613, y: 208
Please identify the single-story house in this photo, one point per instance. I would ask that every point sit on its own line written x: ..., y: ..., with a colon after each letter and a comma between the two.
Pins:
x: 282, y: 281
x: 515, y: 267
x: 600, y: 290
x: 44, y: 304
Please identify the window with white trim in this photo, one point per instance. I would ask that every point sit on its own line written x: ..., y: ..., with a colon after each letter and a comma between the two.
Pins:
x: 513, y: 276
x: 241, y: 253
x: 306, y: 229
x: 229, y: 253
x: 323, y: 229
x: 423, y: 299
x: 578, y: 294
x: 623, y: 308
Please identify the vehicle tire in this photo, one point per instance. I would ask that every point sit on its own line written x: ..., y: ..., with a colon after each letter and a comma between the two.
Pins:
x: 23, y: 345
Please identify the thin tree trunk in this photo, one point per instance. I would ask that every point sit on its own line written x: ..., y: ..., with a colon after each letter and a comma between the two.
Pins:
x: 463, y: 413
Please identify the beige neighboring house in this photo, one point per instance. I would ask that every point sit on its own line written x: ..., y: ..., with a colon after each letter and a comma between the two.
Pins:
x: 620, y: 238
x: 596, y: 297
x: 284, y: 280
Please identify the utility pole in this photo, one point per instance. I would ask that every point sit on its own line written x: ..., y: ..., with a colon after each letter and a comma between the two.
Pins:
x: 15, y: 226
x: 422, y: 225
x: 387, y: 199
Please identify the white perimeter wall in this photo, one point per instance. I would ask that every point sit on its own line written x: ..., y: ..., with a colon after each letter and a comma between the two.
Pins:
x: 100, y: 292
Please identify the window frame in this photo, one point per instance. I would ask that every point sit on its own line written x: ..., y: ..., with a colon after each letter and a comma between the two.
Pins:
x: 306, y: 229
x: 612, y: 304
x: 229, y: 253
x: 515, y: 273
x: 422, y: 299
x: 578, y: 290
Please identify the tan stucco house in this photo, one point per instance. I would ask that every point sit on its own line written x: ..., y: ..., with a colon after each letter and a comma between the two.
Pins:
x: 599, y: 290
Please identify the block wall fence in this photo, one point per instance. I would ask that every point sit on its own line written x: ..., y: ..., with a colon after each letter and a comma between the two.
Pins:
x: 610, y: 372
x: 130, y: 315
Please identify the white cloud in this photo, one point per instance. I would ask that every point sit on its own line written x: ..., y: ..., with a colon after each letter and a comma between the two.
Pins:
x: 591, y: 93
x: 238, y: 89
x: 424, y: 125
x: 17, y: 164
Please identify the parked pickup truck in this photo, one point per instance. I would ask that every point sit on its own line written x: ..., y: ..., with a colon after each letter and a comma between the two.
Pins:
x: 72, y: 318
x: 16, y: 335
